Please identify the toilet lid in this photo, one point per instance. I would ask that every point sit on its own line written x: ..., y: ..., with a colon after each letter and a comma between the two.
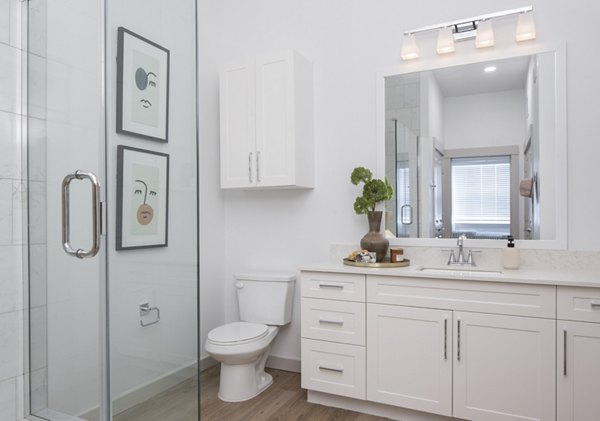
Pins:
x: 237, y: 332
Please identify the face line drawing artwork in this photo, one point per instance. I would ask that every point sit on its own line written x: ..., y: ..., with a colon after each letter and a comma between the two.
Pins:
x: 144, y: 80
x: 145, y: 212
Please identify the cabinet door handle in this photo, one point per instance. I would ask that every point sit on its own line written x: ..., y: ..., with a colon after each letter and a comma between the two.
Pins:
x: 331, y: 285
x: 564, y: 351
x: 458, y: 341
x: 258, y: 166
x: 595, y: 304
x: 445, y: 338
x: 250, y: 167
x: 331, y: 321
x: 330, y: 367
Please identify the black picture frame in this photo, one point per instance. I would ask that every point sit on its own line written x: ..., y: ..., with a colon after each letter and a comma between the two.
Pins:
x: 146, y: 172
x: 143, y: 69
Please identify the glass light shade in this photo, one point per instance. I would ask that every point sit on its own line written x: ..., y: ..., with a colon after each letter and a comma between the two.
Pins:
x: 445, y: 41
x: 525, y: 27
x: 485, y: 34
x: 409, y: 47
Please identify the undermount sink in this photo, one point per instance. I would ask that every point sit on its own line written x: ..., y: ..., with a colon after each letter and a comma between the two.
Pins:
x: 459, y: 271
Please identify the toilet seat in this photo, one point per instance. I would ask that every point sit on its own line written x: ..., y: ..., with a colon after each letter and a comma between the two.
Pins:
x: 237, y: 333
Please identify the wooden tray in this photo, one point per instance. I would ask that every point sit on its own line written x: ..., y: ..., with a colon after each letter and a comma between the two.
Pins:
x: 385, y: 264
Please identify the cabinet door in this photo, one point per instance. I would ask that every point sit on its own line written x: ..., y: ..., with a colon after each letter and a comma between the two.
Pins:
x: 409, y: 357
x: 578, y: 371
x: 275, y: 119
x: 504, y: 367
x: 237, y: 108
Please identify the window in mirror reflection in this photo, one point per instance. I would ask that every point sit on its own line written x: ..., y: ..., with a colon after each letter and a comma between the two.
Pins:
x: 481, y: 197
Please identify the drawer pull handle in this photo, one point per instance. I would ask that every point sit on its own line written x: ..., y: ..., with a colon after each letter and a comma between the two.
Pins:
x: 445, y: 338
x: 458, y: 344
x: 564, y: 351
x: 328, y: 367
x: 331, y: 321
x: 595, y: 304
x: 331, y: 285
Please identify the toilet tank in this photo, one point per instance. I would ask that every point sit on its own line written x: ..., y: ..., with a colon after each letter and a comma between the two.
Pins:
x: 265, y: 297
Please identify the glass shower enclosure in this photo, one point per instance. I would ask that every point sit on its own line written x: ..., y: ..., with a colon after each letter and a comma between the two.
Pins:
x: 112, y: 200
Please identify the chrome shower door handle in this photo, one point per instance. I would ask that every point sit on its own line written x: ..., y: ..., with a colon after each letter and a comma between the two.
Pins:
x: 96, y: 215
x: 403, y: 218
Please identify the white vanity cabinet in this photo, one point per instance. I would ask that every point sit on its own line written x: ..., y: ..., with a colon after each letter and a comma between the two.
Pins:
x: 476, y: 350
x: 266, y: 111
x: 503, y: 367
x: 333, y: 333
x: 450, y: 358
x: 578, y: 354
x: 409, y: 357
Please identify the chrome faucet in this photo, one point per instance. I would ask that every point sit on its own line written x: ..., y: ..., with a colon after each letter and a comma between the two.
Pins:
x: 460, y: 259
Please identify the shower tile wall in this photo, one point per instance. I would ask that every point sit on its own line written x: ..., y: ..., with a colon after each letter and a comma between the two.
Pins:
x: 12, y: 185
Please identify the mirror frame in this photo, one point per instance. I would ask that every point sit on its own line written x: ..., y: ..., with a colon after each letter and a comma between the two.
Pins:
x: 560, y: 146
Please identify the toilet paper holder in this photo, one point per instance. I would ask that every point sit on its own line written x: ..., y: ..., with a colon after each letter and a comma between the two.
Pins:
x: 145, y: 310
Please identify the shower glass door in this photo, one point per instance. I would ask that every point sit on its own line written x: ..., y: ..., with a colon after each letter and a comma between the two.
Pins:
x: 66, y: 142
x: 112, y: 334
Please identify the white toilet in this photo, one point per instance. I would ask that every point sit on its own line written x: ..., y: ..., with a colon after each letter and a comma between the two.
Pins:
x: 242, y: 348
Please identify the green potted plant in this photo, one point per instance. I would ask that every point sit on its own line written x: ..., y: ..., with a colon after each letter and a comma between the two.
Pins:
x: 374, y: 191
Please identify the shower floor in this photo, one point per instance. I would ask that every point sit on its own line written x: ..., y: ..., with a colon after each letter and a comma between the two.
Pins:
x: 284, y: 400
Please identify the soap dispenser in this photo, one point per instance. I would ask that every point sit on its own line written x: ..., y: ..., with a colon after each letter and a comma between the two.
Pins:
x: 510, y: 255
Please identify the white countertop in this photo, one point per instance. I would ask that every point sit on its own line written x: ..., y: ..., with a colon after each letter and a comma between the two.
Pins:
x: 570, y: 277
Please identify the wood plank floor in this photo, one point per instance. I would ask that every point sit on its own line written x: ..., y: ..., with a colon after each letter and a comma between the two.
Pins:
x: 283, y: 401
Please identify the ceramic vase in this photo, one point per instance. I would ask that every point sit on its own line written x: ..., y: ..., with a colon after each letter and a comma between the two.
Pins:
x: 375, y: 240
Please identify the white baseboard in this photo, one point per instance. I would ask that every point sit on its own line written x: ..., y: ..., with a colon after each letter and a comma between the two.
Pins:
x: 146, y: 391
x: 282, y: 363
x: 207, y: 362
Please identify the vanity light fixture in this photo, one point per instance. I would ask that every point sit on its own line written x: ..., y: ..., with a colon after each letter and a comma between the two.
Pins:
x: 445, y: 41
x: 490, y: 69
x: 409, y: 47
x: 525, y: 27
x: 478, y: 27
x: 485, y: 34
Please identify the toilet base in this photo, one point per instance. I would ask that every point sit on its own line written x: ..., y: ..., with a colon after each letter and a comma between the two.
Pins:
x: 240, y: 382
x: 263, y: 384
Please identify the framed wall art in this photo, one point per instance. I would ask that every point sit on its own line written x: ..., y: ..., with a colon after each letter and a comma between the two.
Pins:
x: 142, y: 198
x: 142, y: 87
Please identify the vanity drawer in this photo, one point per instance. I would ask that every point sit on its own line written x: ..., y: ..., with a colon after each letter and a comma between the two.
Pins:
x: 580, y: 304
x: 334, y: 321
x: 335, y: 286
x: 477, y: 296
x: 334, y: 368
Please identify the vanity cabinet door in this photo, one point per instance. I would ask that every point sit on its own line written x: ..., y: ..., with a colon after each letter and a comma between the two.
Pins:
x: 578, y: 371
x: 409, y: 357
x: 504, y: 367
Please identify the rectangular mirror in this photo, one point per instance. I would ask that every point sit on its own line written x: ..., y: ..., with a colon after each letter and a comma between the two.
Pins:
x: 477, y: 149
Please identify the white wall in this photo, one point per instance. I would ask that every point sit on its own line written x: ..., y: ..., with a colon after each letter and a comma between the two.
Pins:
x: 348, y: 42
x: 486, y: 120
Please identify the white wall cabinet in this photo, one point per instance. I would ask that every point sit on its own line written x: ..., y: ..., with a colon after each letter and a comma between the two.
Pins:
x: 266, y: 111
x: 578, y: 354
